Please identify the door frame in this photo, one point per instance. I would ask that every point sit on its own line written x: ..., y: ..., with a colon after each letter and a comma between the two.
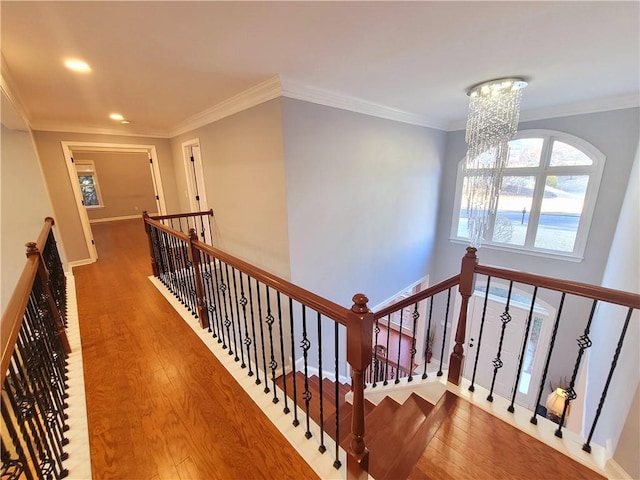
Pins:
x: 68, y: 147
x: 199, y: 173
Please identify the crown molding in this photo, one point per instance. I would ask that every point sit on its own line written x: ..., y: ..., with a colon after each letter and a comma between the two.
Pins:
x: 300, y: 91
x: 260, y: 93
x: 19, y: 118
x: 95, y: 131
x: 606, y: 104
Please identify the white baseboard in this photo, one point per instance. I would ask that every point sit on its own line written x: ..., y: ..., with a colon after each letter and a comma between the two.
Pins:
x: 79, y: 263
x: 615, y: 471
x: 325, y: 373
x: 115, y: 219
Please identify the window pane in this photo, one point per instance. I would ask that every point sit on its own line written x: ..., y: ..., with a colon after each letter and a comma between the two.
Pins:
x: 525, y: 152
x: 564, y: 155
x: 560, y: 213
x: 514, y: 207
x: 463, y: 231
x: 88, y: 189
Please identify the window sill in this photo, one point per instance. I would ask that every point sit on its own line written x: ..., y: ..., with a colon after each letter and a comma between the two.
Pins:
x: 512, y: 249
x: 93, y: 207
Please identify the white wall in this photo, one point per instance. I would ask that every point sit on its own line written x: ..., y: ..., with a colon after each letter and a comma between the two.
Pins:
x: 362, y: 200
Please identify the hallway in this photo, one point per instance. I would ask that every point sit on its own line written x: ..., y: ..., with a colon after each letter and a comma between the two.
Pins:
x: 160, y: 406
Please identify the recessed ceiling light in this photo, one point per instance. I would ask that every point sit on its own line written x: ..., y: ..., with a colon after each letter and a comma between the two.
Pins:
x: 116, y: 116
x: 77, y: 65
x: 125, y: 122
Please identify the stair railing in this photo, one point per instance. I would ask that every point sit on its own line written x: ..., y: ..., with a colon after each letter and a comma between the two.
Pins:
x: 34, y: 352
x: 273, y: 329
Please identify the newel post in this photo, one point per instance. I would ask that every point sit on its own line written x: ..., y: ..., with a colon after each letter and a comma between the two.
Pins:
x: 194, y: 258
x: 33, y: 250
x: 467, y: 282
x: 359, y: 351
x: 147, y: 229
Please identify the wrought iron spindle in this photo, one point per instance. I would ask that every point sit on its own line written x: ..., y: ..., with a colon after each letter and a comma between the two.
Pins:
x: 534, y: 419
x: 253, y: 331
x: 386, y: 354
x: 223, y: 293
x: 264, y: 356
x: 219, y: 295
x: 57, y: 278
x: 10, y: 413
x: 236, y: 320
x: 272, y: 363
x: 413, y: 350
x: 322, y: 447
x: 523, y: 351
x: 584, y: 342
x: 284, y: 372
x: 505, y: 318
x: 306, y: 344
x: 247, y: 338
x: 209, y: 302
x: 296, y: 422
x: 399, y: 342
x: 12, y: 468
x: 337, y: 464
x: 375, y: 366
x: 190, y: 273
x: 427, y: 341
x: 587, y: 445
x: 484, y: 313
x: 444, y: 334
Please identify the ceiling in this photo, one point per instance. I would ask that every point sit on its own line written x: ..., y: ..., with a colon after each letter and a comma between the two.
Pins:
x: 161, y: 64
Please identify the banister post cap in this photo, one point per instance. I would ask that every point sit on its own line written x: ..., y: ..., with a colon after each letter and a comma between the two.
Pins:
x: 471, y: 252
x: 360, y: 303
x: 192, y: 234
x: 32, y: 248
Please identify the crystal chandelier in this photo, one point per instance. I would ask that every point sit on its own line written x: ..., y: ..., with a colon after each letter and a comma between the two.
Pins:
x: 494, y: 109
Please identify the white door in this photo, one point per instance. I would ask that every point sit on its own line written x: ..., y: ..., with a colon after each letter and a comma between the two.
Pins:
x: 196, y: 188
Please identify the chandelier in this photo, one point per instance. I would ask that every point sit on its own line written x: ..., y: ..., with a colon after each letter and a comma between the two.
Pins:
x: 494, y: 109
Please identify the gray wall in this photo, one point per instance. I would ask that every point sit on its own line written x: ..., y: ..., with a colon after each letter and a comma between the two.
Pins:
x: 362, y: 196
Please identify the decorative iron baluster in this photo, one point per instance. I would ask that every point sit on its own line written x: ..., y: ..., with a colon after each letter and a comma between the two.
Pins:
x: 426, y: 353
x: 293, y: 365
x: 399, y: 342
x: 587, y: 445
x: 237, y: 316
x: 413, y: 350
x: 322, y: 447
x: 190, y: 279
x: 247, y: 338
x: 505, y: 318
x: 444, y: 334
x: 272, y: 363
x: 534, y: 420
x: 220, y: 299
x: 386, y: 361
x: 209, y: 302
x: 284, y: 372
x: 12, y: 469
x: 375, y: 365
x: 227, y: 323
x: 305, y: 344
x: 484, y: 313
x: 584, y: 342
x: 264, y: 358
x: 511, y: 408
x: 253, y: 330
x: 337, y: 464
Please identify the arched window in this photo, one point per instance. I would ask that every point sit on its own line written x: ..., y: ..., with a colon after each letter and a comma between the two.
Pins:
x: 547, y: 196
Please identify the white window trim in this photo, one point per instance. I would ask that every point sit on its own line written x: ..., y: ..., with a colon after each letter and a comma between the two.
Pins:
x: 96, y: 183
x: 591, y: 195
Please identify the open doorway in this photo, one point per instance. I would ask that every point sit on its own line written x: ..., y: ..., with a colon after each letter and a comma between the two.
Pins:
x: 128, y: 197
x: 196, y: 191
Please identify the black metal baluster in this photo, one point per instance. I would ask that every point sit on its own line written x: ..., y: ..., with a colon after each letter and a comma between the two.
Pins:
x: 305, y: 351
x: 247, y: 338
x: 202, y: 236
x: 14, y: 468
x: 534, y: 420
x: 375, y: 366
x: 426, y: 354
x: 227, y: 323
x: 293, y: 364
x: 587, y: 445
x: 264, y: 358
x: 584, y: 342
x: 484, y: 313
x: 284, y: 373
x: 505, y: 318
x: 217, y: 286
x: 322, y: 447
x: 444, y: 334
x: 386, y: 352
x: 399, y: 343
x: 523, y: 351
x: 415, y: 315
x: 178, y: 270
x: 191, y: 279
x: 209, y: 303
x: 337, y: 464
x: 253, y: 330
x: 234, y: 318
x: 272, y: 363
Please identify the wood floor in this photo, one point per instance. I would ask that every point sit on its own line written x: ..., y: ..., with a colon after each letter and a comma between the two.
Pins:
x: 160, y: 406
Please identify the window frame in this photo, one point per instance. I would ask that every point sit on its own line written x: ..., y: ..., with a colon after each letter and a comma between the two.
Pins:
x: 543, y: 170
x: 91, y: 171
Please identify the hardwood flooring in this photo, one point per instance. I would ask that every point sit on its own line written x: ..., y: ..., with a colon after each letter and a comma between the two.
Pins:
x: 160, y: 406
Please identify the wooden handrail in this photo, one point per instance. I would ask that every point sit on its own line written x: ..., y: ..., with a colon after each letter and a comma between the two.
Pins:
x: 321, y: 305
x: 574, y: 288
x: 182, y: 236
x: 413, y: 299
x: 14, y: 313
x: 182, y: 215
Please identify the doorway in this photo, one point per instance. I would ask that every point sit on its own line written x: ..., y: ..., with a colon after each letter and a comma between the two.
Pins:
x: 80, y: 148
x: 196, y: 191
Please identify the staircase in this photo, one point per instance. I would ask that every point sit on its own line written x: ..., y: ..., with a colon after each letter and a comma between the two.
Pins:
x: 396, y: 433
